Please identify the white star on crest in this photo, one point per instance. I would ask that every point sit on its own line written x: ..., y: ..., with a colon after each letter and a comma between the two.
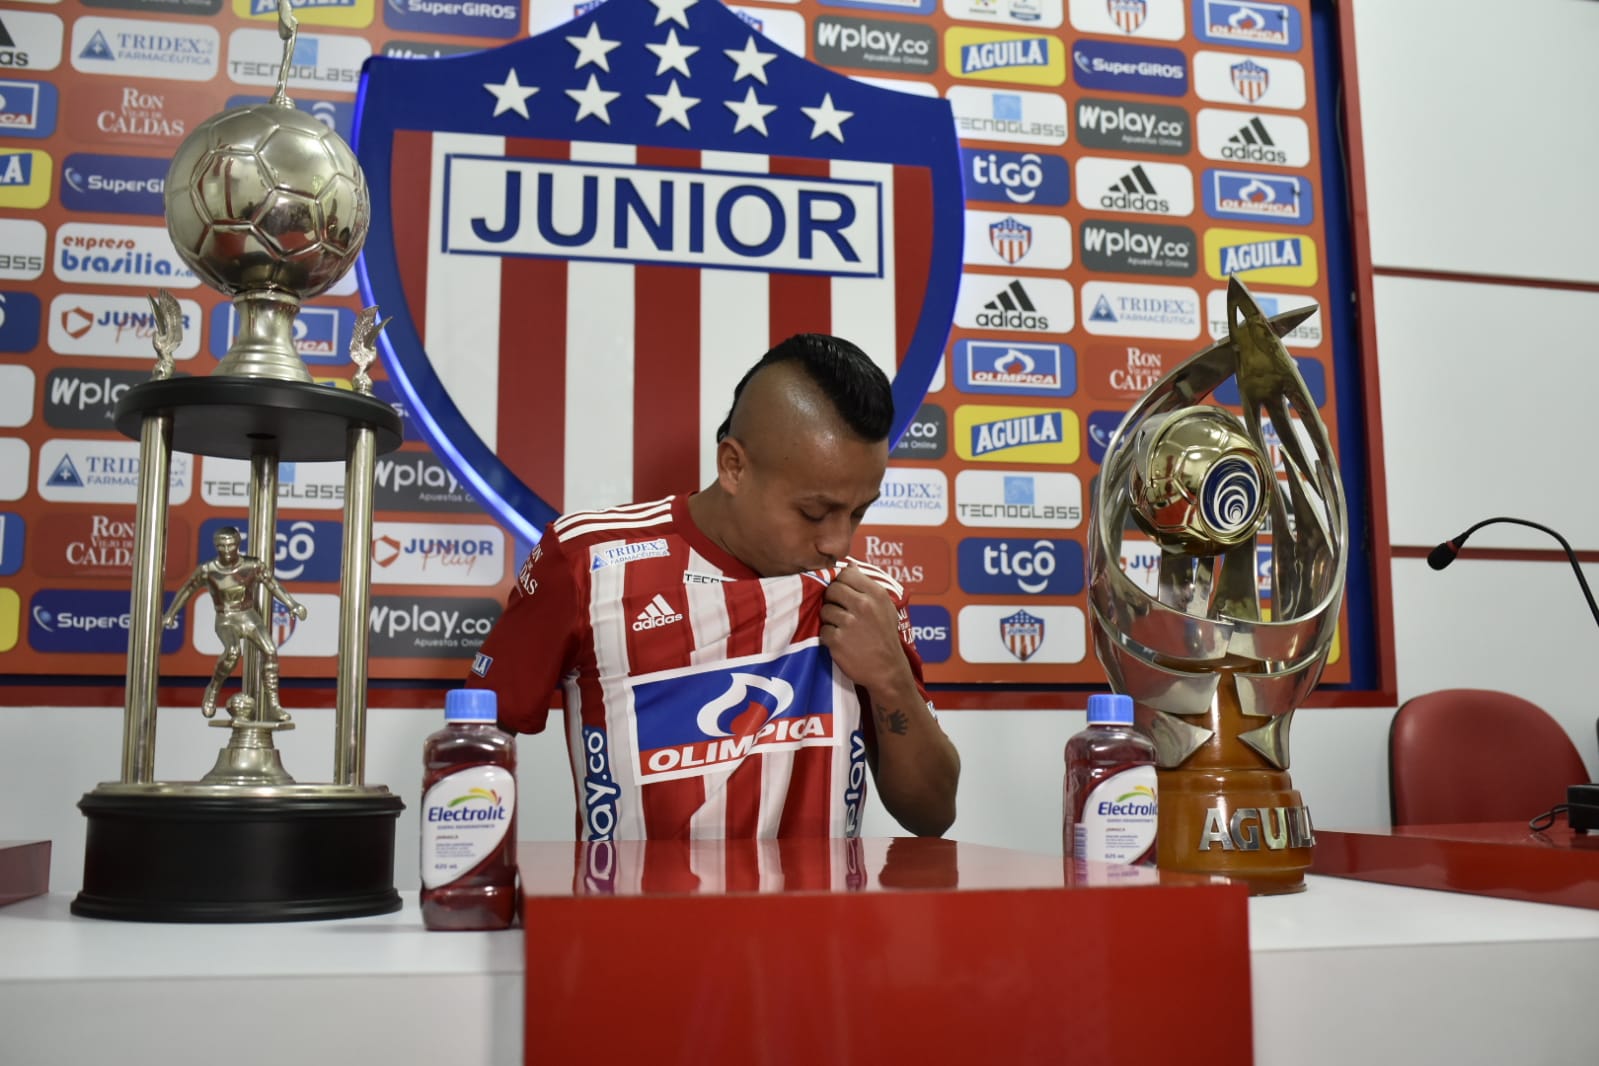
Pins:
x: 751, y: 61
x: 592, y: 48
x: 672, y: 55
x: 673, y: 105
x: 592, y: 100
x: 750, y: 111
x: 827, y: 119
x: 676, y: 10
x: 511, y: 95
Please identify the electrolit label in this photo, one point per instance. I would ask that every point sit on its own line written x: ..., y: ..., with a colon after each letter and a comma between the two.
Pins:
x: 1118, y: 821
x: 465, y: 816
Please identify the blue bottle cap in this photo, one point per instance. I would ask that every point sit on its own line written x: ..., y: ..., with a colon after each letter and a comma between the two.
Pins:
x: 471, y: 705
x: 1110, y: 708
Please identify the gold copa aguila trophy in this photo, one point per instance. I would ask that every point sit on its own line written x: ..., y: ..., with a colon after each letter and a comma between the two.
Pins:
x: 269, y: 206
x: 1216, y: 678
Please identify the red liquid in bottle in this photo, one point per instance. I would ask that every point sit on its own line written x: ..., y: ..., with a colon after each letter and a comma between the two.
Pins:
x: 469, y: 818
x: 1109, y: 803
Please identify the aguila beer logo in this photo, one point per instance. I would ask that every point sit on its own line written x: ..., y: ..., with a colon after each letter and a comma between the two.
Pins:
x: 651, y: 169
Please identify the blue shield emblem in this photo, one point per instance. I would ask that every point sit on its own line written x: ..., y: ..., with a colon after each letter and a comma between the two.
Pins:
x: 1022, y: 634
x: 586, y: 237
x: 1128, y: 14
x: 1250, y: 79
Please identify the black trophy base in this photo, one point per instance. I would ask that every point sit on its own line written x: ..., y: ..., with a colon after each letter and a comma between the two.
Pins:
x: 181, y: 858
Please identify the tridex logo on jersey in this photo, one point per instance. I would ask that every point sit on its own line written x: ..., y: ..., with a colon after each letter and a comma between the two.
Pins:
x: 772, y: 222
x: 1014, y: 368
x: 1128, y: 126
x: 905, y: 47
x: 622, y: 554
x: 1016, y: 177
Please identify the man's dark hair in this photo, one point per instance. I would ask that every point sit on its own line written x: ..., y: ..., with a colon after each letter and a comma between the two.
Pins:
x: 857, y: 387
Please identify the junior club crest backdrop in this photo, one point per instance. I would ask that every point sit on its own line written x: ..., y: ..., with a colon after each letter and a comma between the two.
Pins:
x: 1024, y: 209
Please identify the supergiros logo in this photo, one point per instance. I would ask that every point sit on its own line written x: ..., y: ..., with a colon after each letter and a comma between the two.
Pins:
x: 996, y: 434
x: 1261, y: 255
x: 353, y: 14
x: 994, y: 55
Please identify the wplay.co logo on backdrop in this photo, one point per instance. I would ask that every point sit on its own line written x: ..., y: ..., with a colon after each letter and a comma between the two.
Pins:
x: 770, y: 168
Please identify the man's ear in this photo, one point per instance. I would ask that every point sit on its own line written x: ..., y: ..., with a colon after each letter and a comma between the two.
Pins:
x: 732, y: 464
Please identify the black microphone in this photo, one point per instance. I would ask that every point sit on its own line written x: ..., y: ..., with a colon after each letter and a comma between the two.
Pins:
x: 1445, y: 553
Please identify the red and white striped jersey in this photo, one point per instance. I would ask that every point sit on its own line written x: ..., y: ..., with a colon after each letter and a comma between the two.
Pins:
x: 699, y: 700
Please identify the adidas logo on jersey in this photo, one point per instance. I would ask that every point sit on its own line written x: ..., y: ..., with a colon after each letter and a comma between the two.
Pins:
x: 658, y: 613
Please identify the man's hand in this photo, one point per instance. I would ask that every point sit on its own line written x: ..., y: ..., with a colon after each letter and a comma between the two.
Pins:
x: 916, y: 767
x: 860, y: 627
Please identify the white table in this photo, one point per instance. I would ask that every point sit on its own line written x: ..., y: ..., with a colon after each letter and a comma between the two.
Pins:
x: 1346, y: 973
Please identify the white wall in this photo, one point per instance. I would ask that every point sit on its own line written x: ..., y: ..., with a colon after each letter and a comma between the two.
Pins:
x: 1479, y: 146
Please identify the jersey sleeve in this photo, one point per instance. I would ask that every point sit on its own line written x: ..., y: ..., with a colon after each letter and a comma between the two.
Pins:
x: 534, y: 644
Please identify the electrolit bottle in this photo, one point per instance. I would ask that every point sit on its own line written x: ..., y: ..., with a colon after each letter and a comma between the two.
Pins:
x: 469, y: 817
x: 1110, y: 787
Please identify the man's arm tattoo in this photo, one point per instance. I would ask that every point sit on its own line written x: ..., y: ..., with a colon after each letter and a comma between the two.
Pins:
x: 893, y: 721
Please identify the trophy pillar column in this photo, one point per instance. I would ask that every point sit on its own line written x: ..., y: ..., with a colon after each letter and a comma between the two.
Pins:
x: 355, y: 603
x: 262, y: 538
x: 144, y: 623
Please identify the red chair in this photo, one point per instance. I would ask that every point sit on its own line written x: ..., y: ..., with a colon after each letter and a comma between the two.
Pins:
x: 1474, y: 755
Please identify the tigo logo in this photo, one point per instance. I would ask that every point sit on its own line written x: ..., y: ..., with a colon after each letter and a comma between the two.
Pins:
x: 910, y: 496
x: 930, y: 631
x: 1018, y: 500
x: 304, y: 550
x: 127, y: 185
x: 1139, y: 248
x: 1009, y: 566
x: 696, y: 720
x: 24, y: 177
x: 1034, y: 242
x: 1129, y: 126
x: 19, y: 321
x: 1012, y: 635
x: 85, y: 621
x: 1247, y: 23
x: 994, y: 55
x: 118, y: 326
x: 1016, y: 177
x: 29, y: 41
x: 1158, y: 19
x: 1256, y: 255
x: 1311, y: 372
x: 1015, y: 115
x: 183, y: 51
x: 1255, y: 81
x: 336, y: 115
x: 1014, y: 368
x: 1122, y: 309
x: 27, y: 108
x: 1307, y: 334
x: 656, y: 613
x: 1144, y: 188
x: 1242, y: 137
x: 1250, y: 197
x: 119, y: 255
x: 1129, y: 68
x: 1016, y: 434
x: 1019, y: 305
